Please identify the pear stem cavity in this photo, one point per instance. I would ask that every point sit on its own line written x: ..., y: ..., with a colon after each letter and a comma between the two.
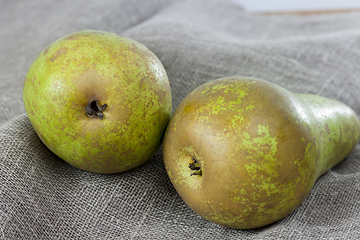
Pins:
x: 195, y: 166
x: 93, y: 109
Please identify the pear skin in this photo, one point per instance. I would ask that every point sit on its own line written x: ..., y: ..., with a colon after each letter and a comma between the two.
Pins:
x: 244, y: 153
x: 99, y: 101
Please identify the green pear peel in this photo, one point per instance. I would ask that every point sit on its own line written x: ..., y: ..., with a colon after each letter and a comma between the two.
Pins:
x: 244, y: 153
x: 99, y: 101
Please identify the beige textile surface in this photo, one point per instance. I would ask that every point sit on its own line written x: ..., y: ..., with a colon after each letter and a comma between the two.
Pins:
x: 42, y: 197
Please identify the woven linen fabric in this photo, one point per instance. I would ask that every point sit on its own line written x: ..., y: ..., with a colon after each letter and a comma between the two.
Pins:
x: 43, y: 197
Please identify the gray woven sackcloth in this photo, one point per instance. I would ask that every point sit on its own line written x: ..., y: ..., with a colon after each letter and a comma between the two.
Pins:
x: 43, y: 197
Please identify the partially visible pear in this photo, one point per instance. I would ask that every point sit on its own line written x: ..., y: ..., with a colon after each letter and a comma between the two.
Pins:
x: 244, y: 153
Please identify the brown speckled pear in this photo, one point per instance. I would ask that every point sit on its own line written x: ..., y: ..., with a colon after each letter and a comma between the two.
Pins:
x: 244, y: 153
x: 99, y: 101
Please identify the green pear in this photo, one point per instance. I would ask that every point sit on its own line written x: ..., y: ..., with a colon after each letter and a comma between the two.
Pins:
x: 244, y: 153
x: 99, y: 101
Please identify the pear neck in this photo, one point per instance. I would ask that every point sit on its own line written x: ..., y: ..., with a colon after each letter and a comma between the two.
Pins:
x: 334, y: 126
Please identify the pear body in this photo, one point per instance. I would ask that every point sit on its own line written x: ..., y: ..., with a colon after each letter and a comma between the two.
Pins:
x: 244, y: 153
x: 99, y: 101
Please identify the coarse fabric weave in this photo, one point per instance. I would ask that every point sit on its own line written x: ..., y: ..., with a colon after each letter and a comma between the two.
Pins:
x: 43, y: 197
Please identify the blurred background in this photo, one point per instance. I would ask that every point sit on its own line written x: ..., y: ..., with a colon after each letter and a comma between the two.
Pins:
x: 304, y: 5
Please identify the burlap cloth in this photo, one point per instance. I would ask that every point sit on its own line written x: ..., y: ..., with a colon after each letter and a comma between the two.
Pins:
x: 42, y: 197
